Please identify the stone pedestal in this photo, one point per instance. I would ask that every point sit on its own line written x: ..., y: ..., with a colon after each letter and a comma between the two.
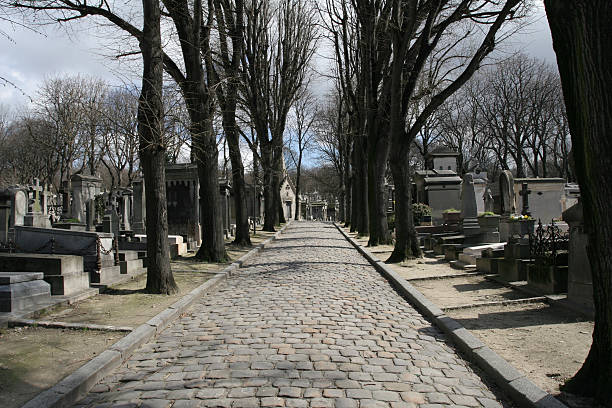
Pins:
x: 39, y: 220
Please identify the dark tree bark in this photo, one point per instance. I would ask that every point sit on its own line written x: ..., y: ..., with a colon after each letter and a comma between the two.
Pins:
x: 406, y: 241
x: 581, y: 34
x: 194, y: 36
x: 153, y: 154
x: 230, y: 23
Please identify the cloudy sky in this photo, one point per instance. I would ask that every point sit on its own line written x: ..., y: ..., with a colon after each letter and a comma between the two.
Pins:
x: 28, y: 57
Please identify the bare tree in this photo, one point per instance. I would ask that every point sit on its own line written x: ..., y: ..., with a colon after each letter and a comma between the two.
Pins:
x: 230, y: 26
x: 152, y: 153
x: 334, y: 143
x: 279, y: 46
x: 301, y: 137
x: 192, y: 24
x: 120, y: 135
x: 417, y: 31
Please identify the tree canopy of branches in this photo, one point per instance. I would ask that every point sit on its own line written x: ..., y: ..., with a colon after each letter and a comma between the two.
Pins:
x: 279, y: 45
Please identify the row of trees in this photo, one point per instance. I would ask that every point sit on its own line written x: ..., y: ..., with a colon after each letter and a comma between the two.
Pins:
x: 509, y: 116
x: 396, y: 64
x: 243, y: 61
x: 77, y: 124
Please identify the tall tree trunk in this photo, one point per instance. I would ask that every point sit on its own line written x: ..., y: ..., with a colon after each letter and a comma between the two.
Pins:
x: 297, y: 186
x: 276, y: 183
x: 348, y: 180
x: 378, y: 155
x: 153, y: 154
x: 406, y: 241
x: 270, y: 210
x: 363, y: 225
x: 211, y: 213
x: 239, y: 186
x: 581, y: 34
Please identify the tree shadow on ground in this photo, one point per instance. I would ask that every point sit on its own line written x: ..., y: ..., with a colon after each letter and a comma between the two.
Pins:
x: 520, y: 318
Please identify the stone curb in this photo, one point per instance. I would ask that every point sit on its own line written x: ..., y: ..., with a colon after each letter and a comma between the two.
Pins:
x: 518, y: 387
x: 76, y: 385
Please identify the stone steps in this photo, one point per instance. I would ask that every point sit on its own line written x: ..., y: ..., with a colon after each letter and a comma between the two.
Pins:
x: 64, y: 273
x: 463, y: 266
x: 21, y: 291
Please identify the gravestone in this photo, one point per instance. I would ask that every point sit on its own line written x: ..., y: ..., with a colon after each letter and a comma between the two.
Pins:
x: 91, y: 215
x: 469, y: 207
x: 35, y: 217
x: 506, y: 190
x: 23, y: 291
x: 5, y: 214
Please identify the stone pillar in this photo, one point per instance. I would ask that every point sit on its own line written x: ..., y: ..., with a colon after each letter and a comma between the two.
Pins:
x: 139, y: 207
x: 469, y: 209
x: 126, y: 205
x: 580, y: 281
x: 5, y: 211
x: 91, y: 215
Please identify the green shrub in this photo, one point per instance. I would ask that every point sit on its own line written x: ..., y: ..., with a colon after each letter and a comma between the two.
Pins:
x: 451, y: 210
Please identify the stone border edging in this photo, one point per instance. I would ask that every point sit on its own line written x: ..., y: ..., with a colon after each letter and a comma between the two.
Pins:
x: 76, y: 385
x: 518, y: 387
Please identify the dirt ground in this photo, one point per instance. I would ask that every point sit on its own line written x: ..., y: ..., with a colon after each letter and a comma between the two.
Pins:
x: 33, y: 359
x: 546, y: 343
x: 458, y: 291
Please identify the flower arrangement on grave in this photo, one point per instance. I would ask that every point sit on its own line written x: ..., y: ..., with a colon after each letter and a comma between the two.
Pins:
x: 451, y: 210
x: 515, y: 217
x: 421, y: 212
x: 487, y: 214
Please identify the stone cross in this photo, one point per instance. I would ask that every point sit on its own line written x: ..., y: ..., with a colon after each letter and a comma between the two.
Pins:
x: 36, y: 208
x: 525, y: 191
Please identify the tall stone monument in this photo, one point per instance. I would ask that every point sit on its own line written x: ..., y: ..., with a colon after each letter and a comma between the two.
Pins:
x: 469, y: 207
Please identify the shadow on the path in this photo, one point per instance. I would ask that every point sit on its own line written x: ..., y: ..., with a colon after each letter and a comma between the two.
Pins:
x: 294, y: 264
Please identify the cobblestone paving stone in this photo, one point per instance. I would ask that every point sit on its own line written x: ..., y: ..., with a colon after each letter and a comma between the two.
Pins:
x: 306, y: 323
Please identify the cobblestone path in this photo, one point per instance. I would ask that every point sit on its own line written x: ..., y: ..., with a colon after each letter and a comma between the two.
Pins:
x: 307, y: 323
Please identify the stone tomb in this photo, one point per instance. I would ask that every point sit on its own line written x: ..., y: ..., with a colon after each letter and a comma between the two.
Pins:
x: 83, y: 244
x: 84, y: 189
x: 23, y: 291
